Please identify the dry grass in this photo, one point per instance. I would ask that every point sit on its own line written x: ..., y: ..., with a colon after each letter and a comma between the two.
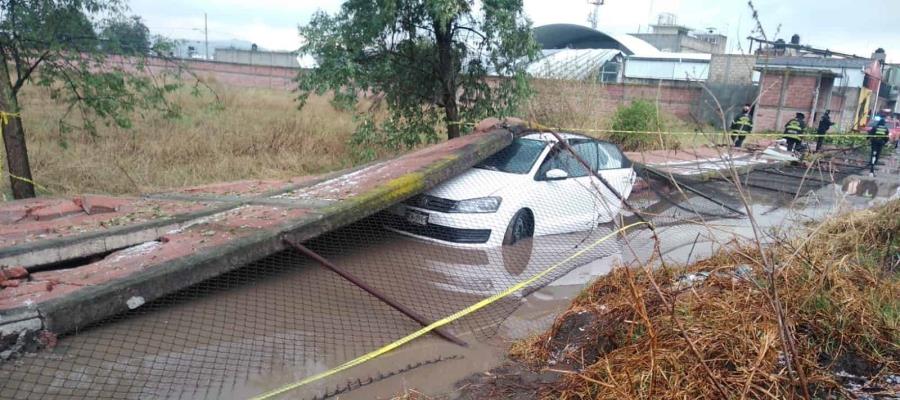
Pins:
x: 256, y: 134
x: 719, y: 338
x: 585, y: 106
x: 570, y: 104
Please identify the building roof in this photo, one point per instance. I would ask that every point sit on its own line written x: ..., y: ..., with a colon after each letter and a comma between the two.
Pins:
x: 561, y: 36
x: 671, y: 56
x: 813, y: 62
x: 571, y: 64
x: 801, y: 70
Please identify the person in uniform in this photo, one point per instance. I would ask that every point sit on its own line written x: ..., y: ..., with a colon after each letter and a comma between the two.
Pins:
x: 741, y: 126
x: 878, y: 136
x: 792, y: 131
x: 824, y: 124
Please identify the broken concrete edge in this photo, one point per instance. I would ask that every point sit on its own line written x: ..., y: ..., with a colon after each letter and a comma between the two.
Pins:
x: 50, y: 251
x: 56, y: 250
x: 93, y: 304
x: 19, y: 331
x: 711, y: 174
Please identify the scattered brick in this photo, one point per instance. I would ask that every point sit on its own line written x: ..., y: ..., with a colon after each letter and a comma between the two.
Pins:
x: 100, y: 204
x: 48, y: 339
x: 14, y: 272
x: 11, y: 283
x: 59, y: 210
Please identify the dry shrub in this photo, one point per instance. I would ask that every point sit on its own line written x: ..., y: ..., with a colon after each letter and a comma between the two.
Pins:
x: 584, y: 106
x: 719, y: 337
x: 570, y: 104
x: 256, y: 133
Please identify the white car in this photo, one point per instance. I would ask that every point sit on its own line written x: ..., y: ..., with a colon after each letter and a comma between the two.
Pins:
x: 533, y: 187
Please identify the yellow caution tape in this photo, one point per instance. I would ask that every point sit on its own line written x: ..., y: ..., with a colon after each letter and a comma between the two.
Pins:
x: 535, y: 125
x: 439, y: 323
x: 4, y: 120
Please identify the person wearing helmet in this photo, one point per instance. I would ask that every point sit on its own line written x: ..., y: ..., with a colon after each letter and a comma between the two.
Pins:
x: 878, y: 136
x: 741, y: 126
x: 824, y: 124
x: 792, y: 131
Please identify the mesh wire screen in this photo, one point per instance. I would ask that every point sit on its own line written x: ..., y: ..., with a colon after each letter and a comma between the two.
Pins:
x: 285, y: 317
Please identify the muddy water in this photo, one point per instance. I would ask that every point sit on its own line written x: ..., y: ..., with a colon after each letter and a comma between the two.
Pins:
x: 286, y: 318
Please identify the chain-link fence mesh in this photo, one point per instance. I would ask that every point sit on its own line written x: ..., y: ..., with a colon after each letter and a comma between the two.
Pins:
x: 284, y: 318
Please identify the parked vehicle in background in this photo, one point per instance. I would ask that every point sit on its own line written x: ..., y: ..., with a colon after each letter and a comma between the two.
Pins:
x: 533, y: 187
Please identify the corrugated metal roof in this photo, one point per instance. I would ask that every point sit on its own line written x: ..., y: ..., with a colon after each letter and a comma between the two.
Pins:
x: 571, y: 64
x: 636, y: 45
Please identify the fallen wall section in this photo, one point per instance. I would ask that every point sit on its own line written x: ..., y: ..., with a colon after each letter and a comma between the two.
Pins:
x: 136, y: 250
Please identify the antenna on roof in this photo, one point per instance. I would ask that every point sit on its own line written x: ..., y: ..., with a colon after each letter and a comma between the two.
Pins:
x: 594, y: 16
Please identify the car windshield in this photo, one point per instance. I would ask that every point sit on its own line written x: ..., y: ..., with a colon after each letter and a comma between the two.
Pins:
x: 517, y: 158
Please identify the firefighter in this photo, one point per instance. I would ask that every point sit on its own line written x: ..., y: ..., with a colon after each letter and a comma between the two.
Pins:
x: 792, y: 131
x: 878, y: 136
x: 741, y: 126
x: 824, y: 124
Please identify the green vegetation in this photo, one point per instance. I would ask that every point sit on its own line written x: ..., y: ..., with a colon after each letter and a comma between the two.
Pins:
x: 52, y: 44
x: 127, y: 36
x: 635, y: 127
x: 427, y: 61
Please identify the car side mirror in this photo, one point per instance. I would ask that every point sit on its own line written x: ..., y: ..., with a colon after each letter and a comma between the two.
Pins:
x: 556, y: 175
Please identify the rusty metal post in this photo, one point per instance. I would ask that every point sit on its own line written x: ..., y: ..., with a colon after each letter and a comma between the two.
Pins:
x: 374, y: 292
x: 693, y: 190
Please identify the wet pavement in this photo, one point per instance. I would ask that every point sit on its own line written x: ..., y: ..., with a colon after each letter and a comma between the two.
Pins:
x: 285, y: 318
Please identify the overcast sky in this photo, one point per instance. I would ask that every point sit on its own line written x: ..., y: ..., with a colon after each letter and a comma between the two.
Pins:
x: 856, y: 27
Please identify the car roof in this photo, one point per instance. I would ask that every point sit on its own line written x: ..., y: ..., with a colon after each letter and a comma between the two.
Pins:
x: 548, y: 137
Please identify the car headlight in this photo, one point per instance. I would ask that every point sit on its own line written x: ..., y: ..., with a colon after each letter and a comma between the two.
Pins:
x: 479, y: 205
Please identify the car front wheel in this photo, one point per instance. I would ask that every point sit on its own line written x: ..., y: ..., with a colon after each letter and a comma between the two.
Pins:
x: 521, y: 227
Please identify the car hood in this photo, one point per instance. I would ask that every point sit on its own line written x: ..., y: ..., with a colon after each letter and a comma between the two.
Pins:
x: 476, y: 183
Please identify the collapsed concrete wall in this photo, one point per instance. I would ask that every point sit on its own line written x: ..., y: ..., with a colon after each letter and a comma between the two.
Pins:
x: 80, y: 264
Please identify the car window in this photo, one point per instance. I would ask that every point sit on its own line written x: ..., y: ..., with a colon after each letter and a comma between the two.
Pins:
x: 561, y: 158
x: 517, y: 158
x: 587, y: 150
x: 611, y: 157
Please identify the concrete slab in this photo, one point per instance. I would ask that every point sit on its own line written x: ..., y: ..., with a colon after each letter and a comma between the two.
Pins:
x: 702, y: 162
x: 91, y: 257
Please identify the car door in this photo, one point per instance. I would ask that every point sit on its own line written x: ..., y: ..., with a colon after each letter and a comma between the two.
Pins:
x: 564, y: 205
x: 616, y: 169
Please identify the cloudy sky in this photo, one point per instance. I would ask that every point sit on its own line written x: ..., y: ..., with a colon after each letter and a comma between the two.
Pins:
x: 855, y: 27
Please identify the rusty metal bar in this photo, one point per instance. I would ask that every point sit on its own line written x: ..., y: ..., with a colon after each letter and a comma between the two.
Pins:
x: 374, y: 292
x: 693, y: 190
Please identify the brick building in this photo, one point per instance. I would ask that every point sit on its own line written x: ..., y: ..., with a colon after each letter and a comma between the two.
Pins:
x: 790, y: 85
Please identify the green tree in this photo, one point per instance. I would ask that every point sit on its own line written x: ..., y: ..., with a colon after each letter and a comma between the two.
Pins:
x: 126, y: 36
x: 429, y: 61
x: 53, y: 44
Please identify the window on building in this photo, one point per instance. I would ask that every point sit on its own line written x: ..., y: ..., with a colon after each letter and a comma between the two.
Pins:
x: 610, y: 72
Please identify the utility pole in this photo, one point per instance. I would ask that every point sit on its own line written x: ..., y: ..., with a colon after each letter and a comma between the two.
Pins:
x: 205, y: 37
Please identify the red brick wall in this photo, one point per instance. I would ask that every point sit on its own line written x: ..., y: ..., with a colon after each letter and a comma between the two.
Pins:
x: 675, y: 100
x: 604, y: 99
x: 227, y: 73
x: 799, y: 94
